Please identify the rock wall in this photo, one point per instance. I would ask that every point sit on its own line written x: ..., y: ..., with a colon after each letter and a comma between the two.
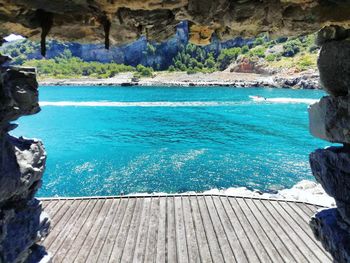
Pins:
x: 330, y: 120
x: 134, y: 53
x: 22, y: 163
x: 123, y: 21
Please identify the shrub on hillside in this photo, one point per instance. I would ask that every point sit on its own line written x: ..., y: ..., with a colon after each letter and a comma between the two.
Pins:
x: 245, y: 49
x: 144, y: 71
x: 306, y: 61
x: 258, y: 52
x: 270, y: 57
x: 291, y: 48
x: 227, y: 56
x: 171, y: 68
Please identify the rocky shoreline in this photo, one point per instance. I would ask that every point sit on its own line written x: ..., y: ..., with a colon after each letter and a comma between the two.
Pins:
x: 305, y: 80
x: 304, y: 191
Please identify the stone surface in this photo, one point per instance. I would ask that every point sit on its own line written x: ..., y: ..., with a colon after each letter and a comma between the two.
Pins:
x: 330, y: 229
x: 22, y: 163
x: 4, y: 59
x: 330, y: 119
x: 21, y: 226
x: 331, y: 33
x: 331, y: 168
x: 18, y: 94
x: 304, y: 80
x: 334, y: 66
x: 248, y: 65
x: 83, y: 20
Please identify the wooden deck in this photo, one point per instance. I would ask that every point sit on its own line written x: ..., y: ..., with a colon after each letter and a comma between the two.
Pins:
x: 198, y: 228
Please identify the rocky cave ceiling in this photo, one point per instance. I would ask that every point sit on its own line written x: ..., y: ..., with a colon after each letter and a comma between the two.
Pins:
x: 122, y: 21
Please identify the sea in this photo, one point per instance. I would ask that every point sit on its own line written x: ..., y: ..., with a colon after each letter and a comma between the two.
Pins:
x: 105, y: 140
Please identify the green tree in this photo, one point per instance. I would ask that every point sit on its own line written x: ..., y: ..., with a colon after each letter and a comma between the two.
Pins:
x: 227, y: 56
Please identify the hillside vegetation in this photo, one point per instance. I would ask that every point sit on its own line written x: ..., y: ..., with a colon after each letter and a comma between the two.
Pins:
x: 261, y: 55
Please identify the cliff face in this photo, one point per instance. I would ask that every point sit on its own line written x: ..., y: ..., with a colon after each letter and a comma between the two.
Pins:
x: 135, y: 53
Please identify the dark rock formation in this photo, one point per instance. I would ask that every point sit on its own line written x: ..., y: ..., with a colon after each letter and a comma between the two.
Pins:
x: 305, y: 80
x: 329, y: 228
x: 331, y: 167
x: 330, y: 120
x: 22, y: 164
x: 334, y: 66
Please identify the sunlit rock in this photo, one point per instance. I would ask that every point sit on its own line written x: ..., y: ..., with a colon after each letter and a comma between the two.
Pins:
x: 81, y: 20
x: 331, y: 33
x: 330, y: 119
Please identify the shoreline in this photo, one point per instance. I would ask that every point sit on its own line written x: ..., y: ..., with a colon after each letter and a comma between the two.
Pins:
x: 304, y: 80
x: 304, y: 191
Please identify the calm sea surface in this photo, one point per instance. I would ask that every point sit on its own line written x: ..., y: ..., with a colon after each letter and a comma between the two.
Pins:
x: 114, y: 140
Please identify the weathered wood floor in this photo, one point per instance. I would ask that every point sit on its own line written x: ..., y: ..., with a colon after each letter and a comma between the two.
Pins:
x: 201, y: 228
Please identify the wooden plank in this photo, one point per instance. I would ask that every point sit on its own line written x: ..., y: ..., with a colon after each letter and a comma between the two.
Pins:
x: 141, y: 209
x: 267, y: 243
x: 305, y: 232
x: 68, y: 240
x: 230, y: 232
x: 151, y: 242
x: 254, y: 239
x: 86, y: 247
x: 142, y: 235
x: 201, y: 236
x: 273, y: 236
x: 210, y: 232
x: 299, y: 210
x: 122, y: 214
x: 308, y: 210
x: 283, y: 222
x: 316, y: 251
x: 55, y: 212
x: 238, y: 228
x: 127, y: 224
x: 60, y: 228
x: 181, y: 241
x: 171, y: 231
x: 181, y: 229
x: 94, y: 252
x: 192, y: 245
x: 224, y: 244
x: 162, y: 231
x: 84, y: 232
x: 48, y: 205
x: 281, y: 232
x: 45, y: 203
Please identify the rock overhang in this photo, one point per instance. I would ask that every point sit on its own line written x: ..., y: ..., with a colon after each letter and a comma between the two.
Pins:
x: 85, y: 20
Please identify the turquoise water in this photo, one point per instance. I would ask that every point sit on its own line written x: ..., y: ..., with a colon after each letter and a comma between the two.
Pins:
x: 120, y: 140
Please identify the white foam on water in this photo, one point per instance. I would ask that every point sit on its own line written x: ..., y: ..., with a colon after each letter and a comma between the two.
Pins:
x: 283, y: 100
x: 172, y: 103
x: 139, y: 103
